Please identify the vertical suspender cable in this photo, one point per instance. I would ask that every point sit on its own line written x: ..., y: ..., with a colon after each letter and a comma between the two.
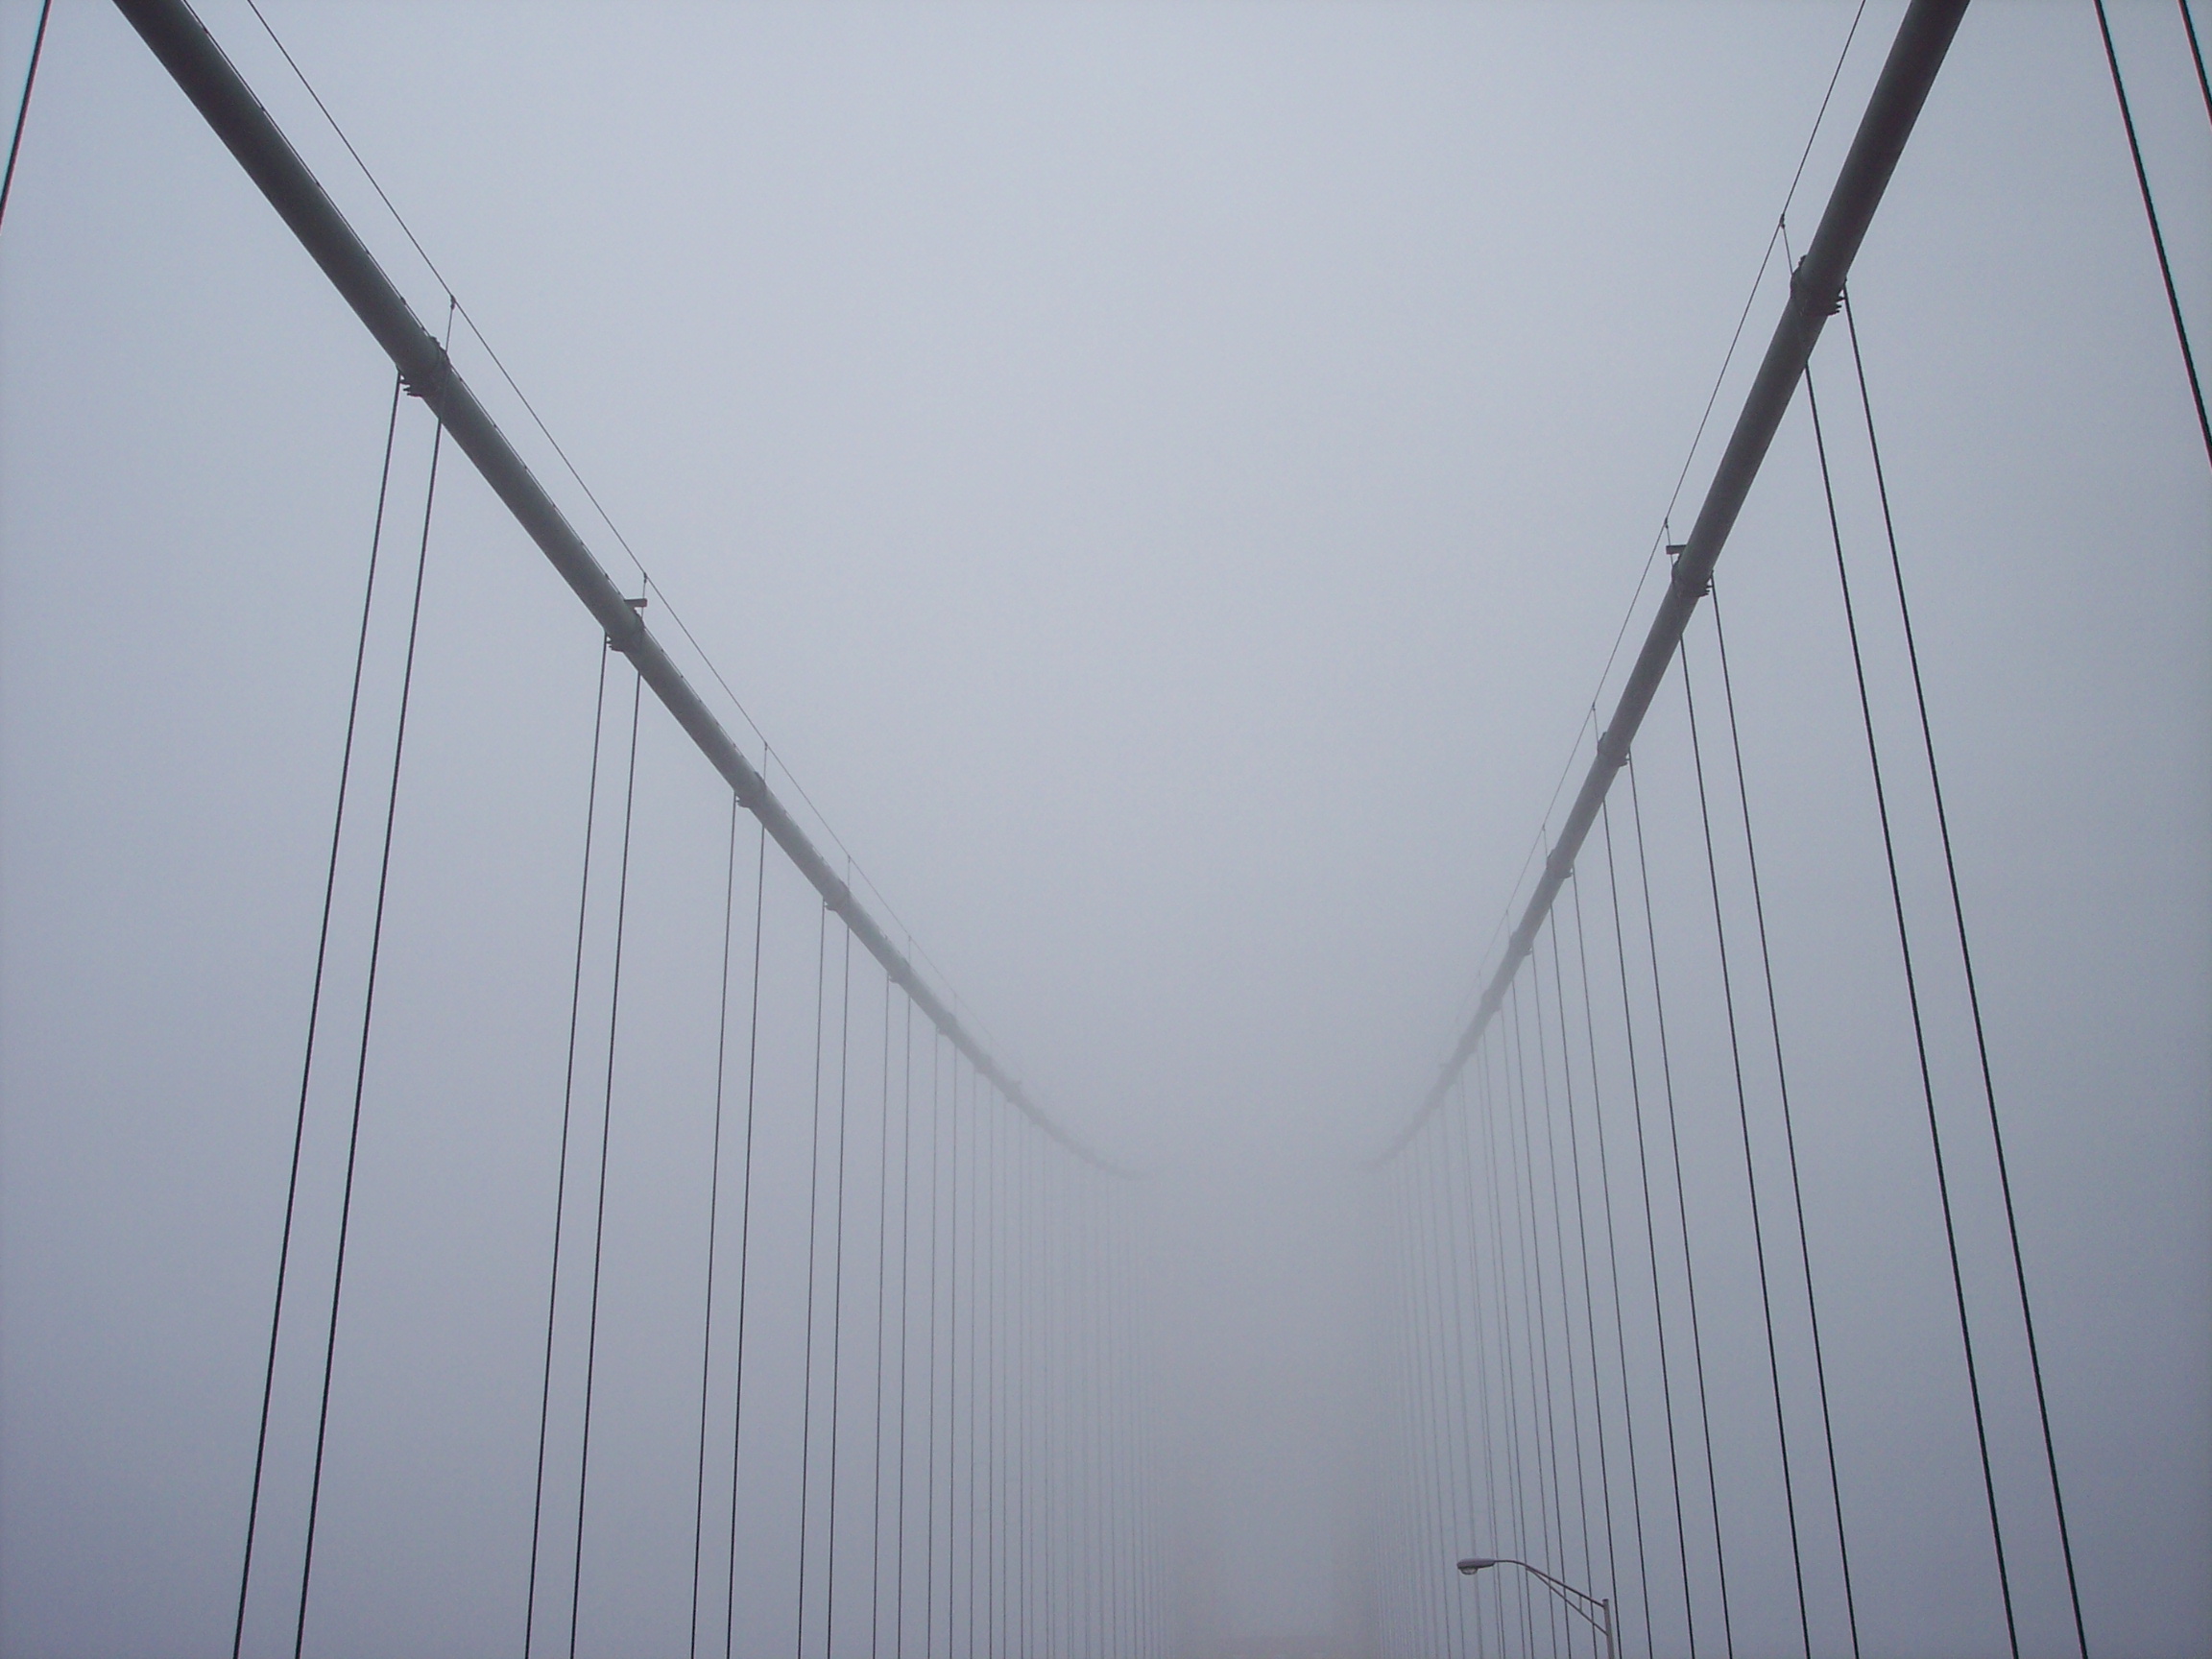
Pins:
x: 929, y: 1468
x: 1919, y: 1035
x: 1682, y: 1214
x: 1651, y: 1247
x: 22, y: 114
x: 882, y: 1273
x: 605, y: 1143
x: 315, y: 993
x: 744, y: 1244
x: 1582, y: 1241
x: 1559, y: 1230
x: 1510, y: 1368
x: 361, y: 1065
x: 952, y: 1379
x: 1789, y: 1128
x: 837, y: 1300
x: 2197, y: 56
x: 813, y: 1239
x: 1750, y: 1168
x: 2151, y: 212
x: 1966, y: 960
x: 1466, y: 1393
x: 1613, y: 1269
x: 1543, y: 1415
x: 713, y: 1216
x: 1437, y: 1381
x: 1468, y: 1251
x: 905, y: 1311
x: 561, y: 1169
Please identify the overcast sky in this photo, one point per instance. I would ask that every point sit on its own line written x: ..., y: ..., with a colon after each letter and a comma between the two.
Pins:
x: 1166, y: 479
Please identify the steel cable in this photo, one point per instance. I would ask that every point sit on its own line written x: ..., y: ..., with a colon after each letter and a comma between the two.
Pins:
x: 1919, y: 1033
x: 605, y: 1143
x: 1750, y: 1168
x: 1966, y: 962
x: 315, y: 993
x: 361, y: 1066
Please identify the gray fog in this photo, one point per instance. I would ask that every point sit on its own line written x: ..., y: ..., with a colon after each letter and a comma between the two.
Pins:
x: 1173, y: 487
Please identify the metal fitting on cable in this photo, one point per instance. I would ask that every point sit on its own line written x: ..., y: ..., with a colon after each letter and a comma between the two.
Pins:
x: 1806, y: 299
x: 431, y: 383
x: 621, y: 641
x: 1610, y: 754
x: 1695, y: 591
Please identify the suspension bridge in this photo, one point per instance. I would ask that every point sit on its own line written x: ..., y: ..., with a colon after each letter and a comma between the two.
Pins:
x: 635, y: 1241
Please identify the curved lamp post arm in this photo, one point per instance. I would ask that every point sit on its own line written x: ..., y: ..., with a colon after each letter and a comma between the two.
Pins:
x: 1578, y: 1601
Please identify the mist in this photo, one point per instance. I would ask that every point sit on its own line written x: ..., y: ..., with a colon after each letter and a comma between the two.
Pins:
x: 1159, y: 490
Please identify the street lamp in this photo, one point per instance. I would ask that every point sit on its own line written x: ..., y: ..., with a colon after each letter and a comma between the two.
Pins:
x: 1580, y: 1600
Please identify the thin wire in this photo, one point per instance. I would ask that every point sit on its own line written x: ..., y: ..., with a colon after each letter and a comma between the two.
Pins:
x: 1552, y: 1515
x: 745, y: 1242
x: 2151, y: 212
x: 1582, y: 1237
x: 1682, y: 1210
x: 905, y: 1311
x: 2197, y: 56
x: 1492, y: 1113
x: 1966, y: 960
x: 361, y: 1066
x: 1559, y: 1245
x: 1837, y: 75
x: 561, y: 1175
x: 1750, y: 1169
x: 1613, y: 1267
x: 837, y: 1300
x: 813, y: 1237
x: 882, y: 1273
x: 645, y: 577
x: 1697, y: 437
x: 930, y: 1470
x: 1920, y: 1034
x: 606, y: 1140
x: 22, y: 114
x: 713, y: 1216
x: 1788, y: 1127
x: 314, y: 995
x: 1650, y: 1243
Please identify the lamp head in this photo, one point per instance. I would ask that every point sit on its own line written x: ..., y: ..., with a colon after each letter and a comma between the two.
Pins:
x: 1474, y: 1564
